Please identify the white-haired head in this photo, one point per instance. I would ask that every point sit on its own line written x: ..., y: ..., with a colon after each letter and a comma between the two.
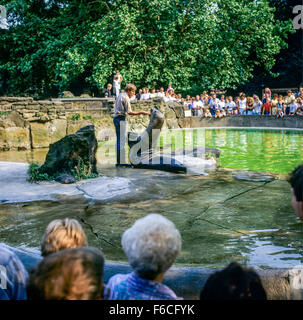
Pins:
x: 151, y: 245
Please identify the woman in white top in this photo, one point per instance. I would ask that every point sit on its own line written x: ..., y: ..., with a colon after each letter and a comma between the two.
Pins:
x: 119, y: 76
x: 242, y: 104
x: 222, y: 103
x: 257, y: 105
x: 116, y: 86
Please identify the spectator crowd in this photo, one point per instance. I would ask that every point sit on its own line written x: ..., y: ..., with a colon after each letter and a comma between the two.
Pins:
x: 218, y: 105
x: 72, y: 270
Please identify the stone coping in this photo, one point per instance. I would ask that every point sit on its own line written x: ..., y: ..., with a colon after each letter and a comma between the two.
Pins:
x: 82, y: 99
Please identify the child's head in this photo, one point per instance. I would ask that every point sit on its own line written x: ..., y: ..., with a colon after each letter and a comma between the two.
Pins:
x: 62, y: 234
x: 233, y: 283
x: 70, y: 274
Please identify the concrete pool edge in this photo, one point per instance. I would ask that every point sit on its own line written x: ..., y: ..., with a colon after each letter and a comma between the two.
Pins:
x: 187, y: 282
x: 238, y: 128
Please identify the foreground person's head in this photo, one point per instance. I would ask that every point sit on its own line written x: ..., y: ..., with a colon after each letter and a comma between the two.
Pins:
x: 62, y: 234
x: 296, y: 182
x: 70, y: 274
x: 131, y: 90
x: 233, y: 283
x: 13, y: 275
x: 151, y: 246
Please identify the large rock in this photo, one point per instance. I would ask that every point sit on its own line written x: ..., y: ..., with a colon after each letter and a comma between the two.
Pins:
x: 67, y: 94
x: 64, y: 155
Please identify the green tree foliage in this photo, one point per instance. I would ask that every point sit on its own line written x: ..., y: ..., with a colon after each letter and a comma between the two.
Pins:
x: 191, y: 43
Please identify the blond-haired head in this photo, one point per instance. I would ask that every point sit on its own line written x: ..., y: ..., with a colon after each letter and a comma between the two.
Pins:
x: 250, y: 100
x: 62, y: 234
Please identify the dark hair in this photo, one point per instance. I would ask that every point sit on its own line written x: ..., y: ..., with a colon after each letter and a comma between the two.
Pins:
x: 69, y: 274
x: 233, y: 283
x: 296, y: 182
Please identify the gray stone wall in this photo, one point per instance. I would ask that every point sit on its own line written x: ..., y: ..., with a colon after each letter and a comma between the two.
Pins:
x: 25, y: 123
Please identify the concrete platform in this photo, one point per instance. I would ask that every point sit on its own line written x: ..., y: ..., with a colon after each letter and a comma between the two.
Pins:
x: 15, y: 187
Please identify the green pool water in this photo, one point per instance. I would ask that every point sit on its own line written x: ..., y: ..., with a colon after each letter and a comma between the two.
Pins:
x: 273, y: 151
x: 221, y: 218
x: 263, y: 150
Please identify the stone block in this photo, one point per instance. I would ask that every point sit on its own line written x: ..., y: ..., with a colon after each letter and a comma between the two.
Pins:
x: 44, y: 118
x: 40, y: 134
x: 5, y: 107
x: 43, y: 108
x: 28, y: 115
x: 16, y: 99
x: 57, y: 130
x: 49, y: 132
x: 35, y: 118
x: 18, y: 107
x: 14, y: 138
x: 33, y: 106
x: 46, y: 102
x: 59, y: 108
